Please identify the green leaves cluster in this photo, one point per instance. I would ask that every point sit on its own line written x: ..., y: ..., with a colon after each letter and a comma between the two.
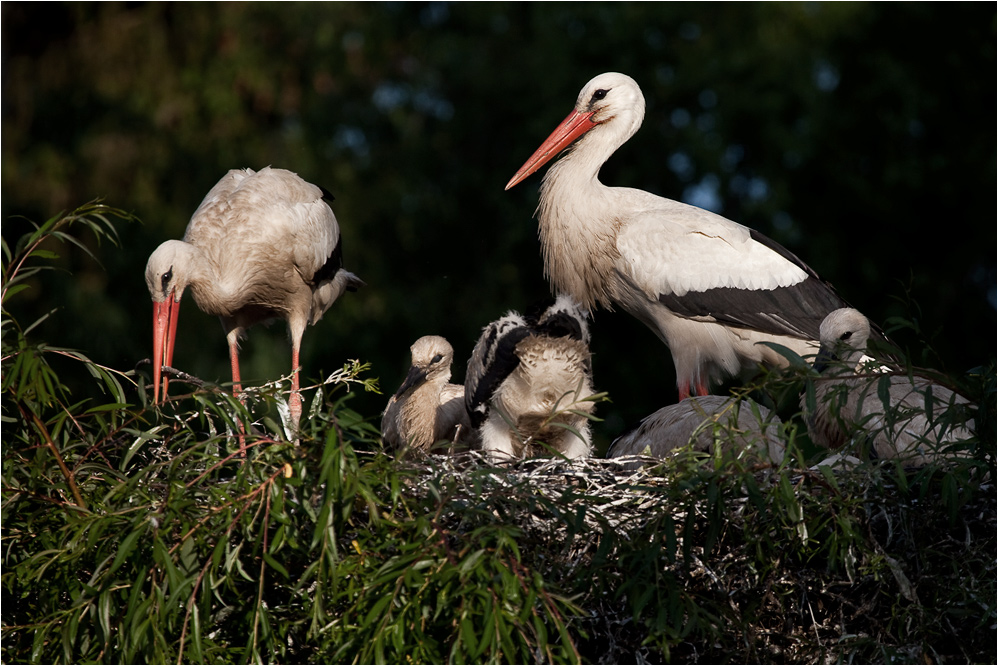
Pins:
x: 427, y: 594
x: 136, y: 533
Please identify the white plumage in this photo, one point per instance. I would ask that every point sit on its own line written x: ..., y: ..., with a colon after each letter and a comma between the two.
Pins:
x: 262, y: 245
x: 898, y: 416
x: 529, y: 384
x: 711, y: 289
x: 741, y: 427
x: 427, y: 408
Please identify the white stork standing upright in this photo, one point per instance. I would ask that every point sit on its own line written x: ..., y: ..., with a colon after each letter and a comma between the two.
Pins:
x: 262, y: 245
x: 529, y: 382
x: 427, y: 408
x: 901, y: 416
x: 711, y: 289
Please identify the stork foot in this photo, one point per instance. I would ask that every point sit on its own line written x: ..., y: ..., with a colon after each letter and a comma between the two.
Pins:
x: 294, y: 406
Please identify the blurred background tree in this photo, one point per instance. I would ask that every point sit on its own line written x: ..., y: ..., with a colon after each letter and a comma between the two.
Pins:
x: 860, y: 136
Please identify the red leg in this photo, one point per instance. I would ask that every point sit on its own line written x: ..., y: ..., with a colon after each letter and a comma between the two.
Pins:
x: 294, y: 401
x: 688, y: 388
x: 237, y: 388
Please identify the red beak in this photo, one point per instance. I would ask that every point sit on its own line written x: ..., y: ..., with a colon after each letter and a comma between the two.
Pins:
x: 569, y: 130
x: 164, y: 333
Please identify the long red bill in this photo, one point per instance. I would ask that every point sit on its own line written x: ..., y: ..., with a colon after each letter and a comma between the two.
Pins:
x: 164, y: 333
x: 570, y: 129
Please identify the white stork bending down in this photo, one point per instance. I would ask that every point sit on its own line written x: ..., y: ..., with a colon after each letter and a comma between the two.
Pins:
x: 262, y: 245
x: 900, y: 416
x: 711, y: 289
x: 701, y: 421
x: 427, y: 408
x: 529, y: 384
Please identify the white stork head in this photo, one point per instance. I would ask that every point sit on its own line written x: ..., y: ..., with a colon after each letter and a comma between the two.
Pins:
x: 431, y: 360
x: 843, y: 336
x: 611, y: 102
x: 168, y: 272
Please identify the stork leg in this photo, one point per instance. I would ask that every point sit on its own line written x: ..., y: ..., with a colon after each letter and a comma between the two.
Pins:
x: 697, y: 388
x: 294, y: 400
x: 237, y: 386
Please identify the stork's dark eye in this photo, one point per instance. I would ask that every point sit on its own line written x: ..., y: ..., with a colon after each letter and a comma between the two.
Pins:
x: 436, y: 359
x: 846, y: 335
x: 167, y: 278
x: 599, y: 94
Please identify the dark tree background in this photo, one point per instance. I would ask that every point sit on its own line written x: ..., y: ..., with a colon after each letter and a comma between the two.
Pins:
x: 860, y: 136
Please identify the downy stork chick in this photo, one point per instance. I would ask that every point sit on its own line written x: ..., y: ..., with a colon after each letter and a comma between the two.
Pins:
x: 529, y: 384
x: 742, y: 428
x: 912, y: 418
x: 709, y: 288
x: 427, y: 408
x: 262, y: 245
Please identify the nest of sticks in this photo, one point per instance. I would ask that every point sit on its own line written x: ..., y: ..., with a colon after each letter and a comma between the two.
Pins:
x: 702, y: 559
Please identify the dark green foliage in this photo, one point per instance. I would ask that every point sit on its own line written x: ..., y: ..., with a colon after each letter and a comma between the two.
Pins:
x: 146, y: 534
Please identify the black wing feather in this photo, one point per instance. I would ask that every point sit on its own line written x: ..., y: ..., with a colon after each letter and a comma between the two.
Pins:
x: 333, y: 264
x: 500, y: 361
x: 795, y: 311
x: 560, y: 325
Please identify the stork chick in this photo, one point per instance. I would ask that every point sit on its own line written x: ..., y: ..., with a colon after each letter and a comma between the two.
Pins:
x: 529, y: 384
x: 427, y: 408
x: 901, y: 416
x: 702, y: 422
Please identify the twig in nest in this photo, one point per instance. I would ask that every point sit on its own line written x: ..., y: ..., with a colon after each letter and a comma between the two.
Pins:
x: 178, y: 374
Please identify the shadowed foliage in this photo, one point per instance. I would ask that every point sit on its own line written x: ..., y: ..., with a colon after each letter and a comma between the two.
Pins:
x: 135, y: 533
